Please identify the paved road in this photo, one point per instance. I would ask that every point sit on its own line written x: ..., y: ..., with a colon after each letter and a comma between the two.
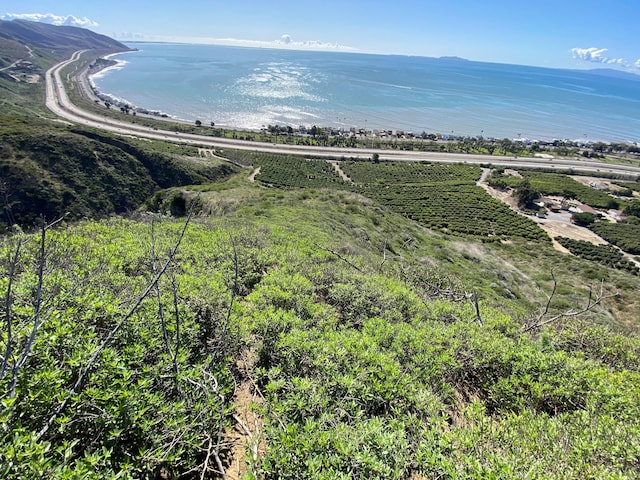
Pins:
x: 58, y: 102
x: 29, y: 51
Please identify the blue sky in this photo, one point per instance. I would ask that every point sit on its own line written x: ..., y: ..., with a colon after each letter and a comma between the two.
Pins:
x: 553, y: 33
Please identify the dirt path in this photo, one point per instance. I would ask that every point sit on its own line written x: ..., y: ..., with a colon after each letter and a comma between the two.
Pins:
x: 252, y: 177
x: 211, y: 153
x: 248, y: 445
x: 336, y: 167
x: 206, y: 152
x: 483, y: 178
x: 29, y: 52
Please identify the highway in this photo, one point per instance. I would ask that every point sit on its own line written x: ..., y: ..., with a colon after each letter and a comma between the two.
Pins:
x: 58, y: 102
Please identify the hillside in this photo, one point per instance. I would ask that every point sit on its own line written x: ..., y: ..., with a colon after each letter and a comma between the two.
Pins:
x: 60, y: 41
x: 28, y: 49
x: 10, y: 51
x: 49, y: 171
x: 310, y: 334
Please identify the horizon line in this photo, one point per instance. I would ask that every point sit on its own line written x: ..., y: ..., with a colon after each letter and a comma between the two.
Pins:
x: 276, y: 45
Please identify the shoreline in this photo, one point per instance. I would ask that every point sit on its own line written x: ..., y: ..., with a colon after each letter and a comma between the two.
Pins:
x: 58, y: 102
x: 92, y: 92
x: 370, y: 133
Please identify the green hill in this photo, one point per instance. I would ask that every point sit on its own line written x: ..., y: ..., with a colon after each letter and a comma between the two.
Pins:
x: 10, y: 51
x: 341, y: 339
x: 49, y: 171
x: 61, y: 41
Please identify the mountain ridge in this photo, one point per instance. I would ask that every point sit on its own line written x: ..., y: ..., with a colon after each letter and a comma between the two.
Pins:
x: 59, y: 41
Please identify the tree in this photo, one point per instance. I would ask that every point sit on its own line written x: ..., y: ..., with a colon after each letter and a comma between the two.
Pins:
x: 526, y: 194
x: 612, y: 203
x: 375, y: 157
x: 497, y: 181
x: 633, y: 208
x: 506, y: 145
x: 198, y: 123
x: 583, y: 218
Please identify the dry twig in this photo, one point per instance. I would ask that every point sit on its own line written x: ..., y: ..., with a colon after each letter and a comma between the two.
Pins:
x: 543, y: 317
x: 84, y: 373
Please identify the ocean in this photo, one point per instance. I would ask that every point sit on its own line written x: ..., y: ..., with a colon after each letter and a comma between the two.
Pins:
x: 253, y: 88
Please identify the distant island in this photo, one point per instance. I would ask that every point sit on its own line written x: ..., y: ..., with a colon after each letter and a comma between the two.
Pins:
x: 610, y: 72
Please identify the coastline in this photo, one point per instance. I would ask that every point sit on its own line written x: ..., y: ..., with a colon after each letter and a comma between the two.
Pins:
x: 371, y: 133
x: 85, y: 81
x: 93, y: 93
x: 59, y: 103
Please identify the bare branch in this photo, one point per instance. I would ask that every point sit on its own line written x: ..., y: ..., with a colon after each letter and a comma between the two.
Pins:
x: 340, y: 257
x: 176, y: 313
x: 477, y: 307
x: 244, y: 428
x: 8, y: 300
x: 550, y: 296
x: 234, y: 292
x: 436, y: 286
x: 84, y: 373
x: 543, y: 318
x: 36, y: 311
x: 205, y: 466
x: 154, y: 271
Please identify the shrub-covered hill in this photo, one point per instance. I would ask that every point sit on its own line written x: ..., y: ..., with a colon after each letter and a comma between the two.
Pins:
x: 60, y: 41
x: 309, y: 335
x: 48, y: 171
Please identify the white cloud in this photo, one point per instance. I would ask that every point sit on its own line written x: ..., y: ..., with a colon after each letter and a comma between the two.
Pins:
x: 589, y: 54
x: 50, y: 18
x: 284, y: 42
x: 287, y: 42
x: 131, y: 36
x: 597, y: 55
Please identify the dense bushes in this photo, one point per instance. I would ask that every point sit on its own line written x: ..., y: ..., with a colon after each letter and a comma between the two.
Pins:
x: 625, y: 235
x: 150, y: 402
x: 447, y: 394
x: 363, y: 351
x: 583, y: 219
x: 603, y: 254
x: 53, y: 172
